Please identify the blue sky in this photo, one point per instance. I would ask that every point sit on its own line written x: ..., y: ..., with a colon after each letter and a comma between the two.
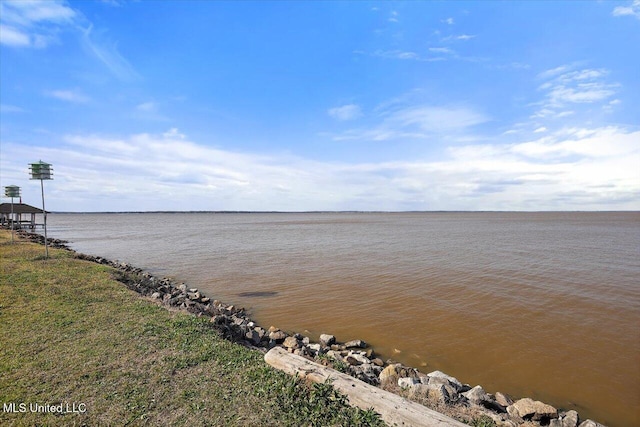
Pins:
x: 295, y: 106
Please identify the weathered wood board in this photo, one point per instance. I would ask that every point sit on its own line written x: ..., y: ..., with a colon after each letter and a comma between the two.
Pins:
x: 393, y: 409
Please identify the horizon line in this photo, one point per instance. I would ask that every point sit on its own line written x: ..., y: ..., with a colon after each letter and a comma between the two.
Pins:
x: 338, y: 211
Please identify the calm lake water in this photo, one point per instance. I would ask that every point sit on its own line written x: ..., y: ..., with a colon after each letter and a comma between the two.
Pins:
x: 543, y: 305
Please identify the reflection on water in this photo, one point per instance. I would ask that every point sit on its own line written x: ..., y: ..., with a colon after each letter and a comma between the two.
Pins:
x: 545, y: 305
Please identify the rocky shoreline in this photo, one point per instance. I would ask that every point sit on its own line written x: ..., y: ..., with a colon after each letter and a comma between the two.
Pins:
x: 436, y: 389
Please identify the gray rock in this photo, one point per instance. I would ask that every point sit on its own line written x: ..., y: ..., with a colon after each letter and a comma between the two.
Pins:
x: 327, y: 340
x: 477, y: 395
x: 555, y: 423
x: 362, y: 359
x: 437, y: 381
x: 253, y: 336
x: 356, y: 344
x: 364, y: 374
x: 513, y: 413
x: 378, y: 362
x: 503, y: 399
x: 335, y: 355
x: 238, y: 320
x: 182, y: 288
x: 407, y: 382
x: 534, y: 410
x: 291, y: 342
x: 570, y: 419
x: 352, y: 361
x: 444, y: 393
x: 452, y: 380
x: 277, y: 335
x: 389, y: 374
x: 314, y: 348
x: 155, y: 295
x: 590, y: 423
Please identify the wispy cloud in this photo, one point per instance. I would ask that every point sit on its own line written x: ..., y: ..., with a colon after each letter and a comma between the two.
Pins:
x: 106, y: 51
x: 38, y: 23
x: 6, y: 108
x: 345, y: 112
x: 74, y: 96
x: 437, y: 119
x: 147, y: 107
x: 565, y: 86
x: 33, y: 24
x: 416, y: 121
x: 632, y: 10
x: 11, y: 36
x: 435, y: 54
x: 444, y: 50
x: 456, y: 37
x: 114, y: 3
x: 397, y: 54
x: 150, y: 110
x: 448, y: 21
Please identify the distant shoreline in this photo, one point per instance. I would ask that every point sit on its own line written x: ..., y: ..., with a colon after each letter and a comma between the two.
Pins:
x: 337, y: 212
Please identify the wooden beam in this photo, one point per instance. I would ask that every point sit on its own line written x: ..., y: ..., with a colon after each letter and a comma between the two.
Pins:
x: 393, y: 409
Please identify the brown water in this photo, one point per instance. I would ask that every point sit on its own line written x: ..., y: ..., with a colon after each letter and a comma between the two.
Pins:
x: 543, y: 305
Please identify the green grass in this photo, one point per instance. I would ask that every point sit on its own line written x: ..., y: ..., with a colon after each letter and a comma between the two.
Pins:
x: 70, y: 333
x: 482, y: 421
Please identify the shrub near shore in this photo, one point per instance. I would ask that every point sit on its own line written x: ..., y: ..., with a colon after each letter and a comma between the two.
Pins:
x: 72, y: 336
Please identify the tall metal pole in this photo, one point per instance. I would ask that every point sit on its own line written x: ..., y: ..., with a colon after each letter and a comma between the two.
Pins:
x: 12, y: 220
x: 44, y: 211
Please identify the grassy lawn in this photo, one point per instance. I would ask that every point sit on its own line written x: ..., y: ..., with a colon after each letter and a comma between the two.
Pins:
x: 71, y: 334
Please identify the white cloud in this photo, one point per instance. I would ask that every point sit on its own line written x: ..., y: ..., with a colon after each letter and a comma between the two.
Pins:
x: 6, y: 108
x: 13, y: 37
x: 564, y: 86
x: 437, y: 119
x: 114, y: 3
x: 345, y: 112
x: 28, y: 13
x: 576, y: 168
x: 33, y: 23
x: 448, y: 21
x: 441, y: 50
x: 173, y: 133
x: 632, y: 10
x: 416, y: 121
x: 147, y: 107
x: 554, y: 72
x: 397, y: 54
x: 74, y: 96
x: 463, y: 37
